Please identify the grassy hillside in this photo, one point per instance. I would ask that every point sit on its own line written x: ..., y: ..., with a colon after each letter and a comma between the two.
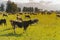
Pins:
x: 48, y: 28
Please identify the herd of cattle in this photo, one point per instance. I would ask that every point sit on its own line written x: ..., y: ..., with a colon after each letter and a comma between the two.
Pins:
x: 44, y: 13
x: 22, y: 24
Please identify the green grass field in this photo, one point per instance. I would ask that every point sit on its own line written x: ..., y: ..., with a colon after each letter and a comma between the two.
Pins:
x: 48, y: 28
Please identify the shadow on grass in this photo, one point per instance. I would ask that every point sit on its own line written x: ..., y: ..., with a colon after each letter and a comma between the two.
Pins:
x: 5, y: 29
x: 11, y: 34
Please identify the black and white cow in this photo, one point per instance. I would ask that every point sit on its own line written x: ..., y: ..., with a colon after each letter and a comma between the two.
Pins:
x: 23, y: 24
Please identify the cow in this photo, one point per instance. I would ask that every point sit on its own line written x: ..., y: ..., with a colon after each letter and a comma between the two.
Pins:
x: 49, y: 13
x: 58, y: 15
x: 42, y: 12
x: 19, y: 18
x: 27, y: 16
x: 20, y: 13
x: 5, y: 15
x: 2, y: 21
x: 35, y: 20
x: 34, y: 13
x: 23, y: 24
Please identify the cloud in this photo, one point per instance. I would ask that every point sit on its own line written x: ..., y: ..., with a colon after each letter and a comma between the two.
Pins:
x: 44, y: 1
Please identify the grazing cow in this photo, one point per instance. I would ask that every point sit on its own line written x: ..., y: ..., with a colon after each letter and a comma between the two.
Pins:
x: 27, y: 16
x: 42, y: 12
x: 35, y: 20
x: 49, y: 13
x: 25, y: 13
x: 2, y: 21
x: 20, y: 13
x: 34, y: 13
x: 58, y: 15
x: 19, y: 18
x: 5, y: 15
x: 23, y: 24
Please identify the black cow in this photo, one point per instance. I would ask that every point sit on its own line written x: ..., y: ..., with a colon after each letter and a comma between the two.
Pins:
x: 5, y: 15
x: 2, y: 21
x: 49, y: 13
x: 58, y: 15
x: 20, y: 13
x: 23, y: 24
x: 43, y: 13
x: 27, y: 16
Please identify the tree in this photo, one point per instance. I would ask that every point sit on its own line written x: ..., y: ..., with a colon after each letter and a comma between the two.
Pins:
x: 11, y: 7
x: 8, y: 7
x: 14, y: 8
x: 24, y: 9
x: 28, y: 9
x: 36, y: 10
x: 19, y: 9
x: 2, y: 7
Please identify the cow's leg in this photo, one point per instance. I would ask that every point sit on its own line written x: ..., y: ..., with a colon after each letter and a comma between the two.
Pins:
x: 14, y: 29
x: 24, y: 31
x: 25, y: 28
x: 5, y: 23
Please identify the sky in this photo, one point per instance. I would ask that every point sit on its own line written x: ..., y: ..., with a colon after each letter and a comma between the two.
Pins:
x: 26, y: 1
x: 55, y: 4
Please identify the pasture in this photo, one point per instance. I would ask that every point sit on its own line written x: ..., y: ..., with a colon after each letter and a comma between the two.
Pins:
x: 47, y: 28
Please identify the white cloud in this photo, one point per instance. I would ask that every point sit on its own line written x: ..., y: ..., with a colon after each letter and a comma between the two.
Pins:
x: 25, y: 1
x: 54, y: 1
x: 22, y: 1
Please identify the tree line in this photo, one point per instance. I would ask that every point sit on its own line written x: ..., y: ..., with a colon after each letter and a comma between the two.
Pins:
x: 2, y: 7
x: 13, y: 8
